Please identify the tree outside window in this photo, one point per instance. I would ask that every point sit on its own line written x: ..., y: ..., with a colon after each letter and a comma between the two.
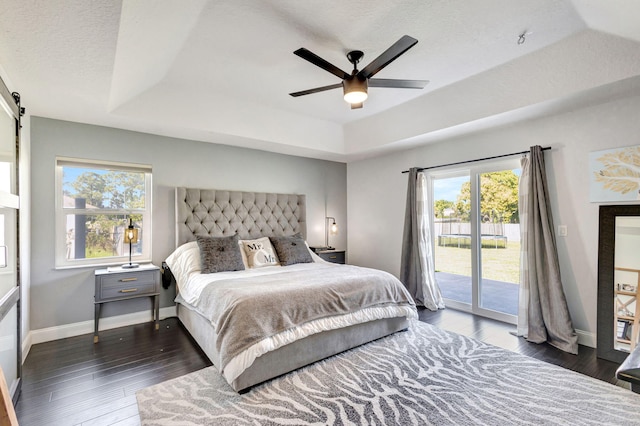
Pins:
x: 499, y: 196
x: 97, y: 202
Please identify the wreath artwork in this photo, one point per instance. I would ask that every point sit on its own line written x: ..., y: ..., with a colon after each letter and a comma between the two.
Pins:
x: 615, y: 174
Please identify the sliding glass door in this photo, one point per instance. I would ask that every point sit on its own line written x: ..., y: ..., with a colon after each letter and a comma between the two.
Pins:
x: 452, y: 238
x: 10, y: 341
x: 477, y: 238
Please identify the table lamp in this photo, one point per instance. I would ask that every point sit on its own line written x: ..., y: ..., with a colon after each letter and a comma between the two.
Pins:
x: 131, y: 237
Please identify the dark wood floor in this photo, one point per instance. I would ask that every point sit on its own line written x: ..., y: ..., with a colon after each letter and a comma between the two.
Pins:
x: 74, y: 382
x: 500, y: 334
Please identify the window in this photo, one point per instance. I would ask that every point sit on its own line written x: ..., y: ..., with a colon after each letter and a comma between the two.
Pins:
x: 94, y: 202
x: 477, y: 238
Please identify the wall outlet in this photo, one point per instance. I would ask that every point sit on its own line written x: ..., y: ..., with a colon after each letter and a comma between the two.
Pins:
x: 562, y: 230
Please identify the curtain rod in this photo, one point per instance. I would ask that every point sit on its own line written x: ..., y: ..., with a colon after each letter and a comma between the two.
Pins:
x: 474, y: 161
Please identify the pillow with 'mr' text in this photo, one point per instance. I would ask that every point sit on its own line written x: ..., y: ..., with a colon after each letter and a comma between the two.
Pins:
x: 259, y: 252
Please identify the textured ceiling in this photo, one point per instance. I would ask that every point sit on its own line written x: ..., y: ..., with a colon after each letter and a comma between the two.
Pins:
x: 221, y: 71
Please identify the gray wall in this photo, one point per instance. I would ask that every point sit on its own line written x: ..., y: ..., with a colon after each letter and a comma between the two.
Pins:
x: 377, y: 190
x: 60, y: 297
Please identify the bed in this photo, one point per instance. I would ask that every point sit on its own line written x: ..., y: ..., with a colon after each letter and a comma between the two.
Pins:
x: 279, y: 314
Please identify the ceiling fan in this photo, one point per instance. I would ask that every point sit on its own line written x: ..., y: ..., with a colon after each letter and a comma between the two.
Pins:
x: 356, y: 84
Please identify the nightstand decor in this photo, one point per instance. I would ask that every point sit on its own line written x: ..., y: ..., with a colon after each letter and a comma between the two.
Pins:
x: 131, y: 237
x: 333, y: 229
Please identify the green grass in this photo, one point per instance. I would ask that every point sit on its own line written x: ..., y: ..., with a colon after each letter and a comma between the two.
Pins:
x: 97, y: 252
x: 502, y: 264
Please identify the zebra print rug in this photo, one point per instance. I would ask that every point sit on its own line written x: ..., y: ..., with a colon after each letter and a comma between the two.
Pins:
x: 419, y: 377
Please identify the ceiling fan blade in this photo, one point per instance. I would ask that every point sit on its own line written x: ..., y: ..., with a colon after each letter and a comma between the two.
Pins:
x: 398, y: 48
x: 399, y: 84
x: 356, y: 106
x: 316, y: 90
x: 318, y: 61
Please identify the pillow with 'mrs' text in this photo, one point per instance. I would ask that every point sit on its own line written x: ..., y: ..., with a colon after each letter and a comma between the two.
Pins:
x: 259, y: 252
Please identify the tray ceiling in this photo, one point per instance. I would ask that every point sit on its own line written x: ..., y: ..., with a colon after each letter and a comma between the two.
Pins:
x: 221, y: 71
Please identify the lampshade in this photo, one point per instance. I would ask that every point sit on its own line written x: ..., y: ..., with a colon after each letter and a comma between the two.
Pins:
x: 334, y: 228
x: 355, y: 90
x: 131, y: 235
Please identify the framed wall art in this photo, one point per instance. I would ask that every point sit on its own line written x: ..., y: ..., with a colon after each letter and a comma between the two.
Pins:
x: 614, y: 175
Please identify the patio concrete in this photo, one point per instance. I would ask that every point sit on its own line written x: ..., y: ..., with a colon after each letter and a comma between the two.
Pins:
x: 497, y: 296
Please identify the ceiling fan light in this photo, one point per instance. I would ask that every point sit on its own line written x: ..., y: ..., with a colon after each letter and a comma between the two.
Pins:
x: 355, y: 90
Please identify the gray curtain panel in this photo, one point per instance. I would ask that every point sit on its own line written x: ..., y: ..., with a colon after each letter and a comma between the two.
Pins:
x: 523, y: 210
x: 410, y: 263
x: 548, y: 314
x: 417, y: 271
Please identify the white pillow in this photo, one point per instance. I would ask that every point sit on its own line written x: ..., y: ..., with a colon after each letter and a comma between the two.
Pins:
x: 243, y: 254
x: 184, y: 261
x: 259, y: 253
x: 314, y: 256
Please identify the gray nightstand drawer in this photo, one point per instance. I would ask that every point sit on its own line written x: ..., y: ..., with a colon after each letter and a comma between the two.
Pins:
x: 332, y: 256
x: 116, y: 284
x: 125, y: 285
x: 128, y: 290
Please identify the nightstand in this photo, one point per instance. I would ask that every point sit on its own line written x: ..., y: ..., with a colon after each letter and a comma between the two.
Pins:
x: 334, y: 256
x: 117, y: 283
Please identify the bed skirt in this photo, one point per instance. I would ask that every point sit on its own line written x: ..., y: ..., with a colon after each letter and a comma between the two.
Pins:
x: 295, y: 355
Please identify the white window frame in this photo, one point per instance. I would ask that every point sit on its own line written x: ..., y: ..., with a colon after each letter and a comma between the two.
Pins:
x: 61, y: 262
x: 474, y: 172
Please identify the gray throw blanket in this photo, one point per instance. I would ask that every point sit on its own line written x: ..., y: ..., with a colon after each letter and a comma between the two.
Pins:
x: 246, y: 310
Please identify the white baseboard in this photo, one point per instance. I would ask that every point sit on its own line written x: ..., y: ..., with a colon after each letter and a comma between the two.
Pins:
x: 587, y: 338
x: 26, y: 346
x: 86, y: 327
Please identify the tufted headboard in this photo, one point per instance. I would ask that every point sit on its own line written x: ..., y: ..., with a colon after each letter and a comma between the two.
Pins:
x: 248, y: 214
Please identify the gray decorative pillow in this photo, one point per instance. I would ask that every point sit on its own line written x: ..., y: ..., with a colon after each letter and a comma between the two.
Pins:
x: 291, y: 250
x: 219, y: 254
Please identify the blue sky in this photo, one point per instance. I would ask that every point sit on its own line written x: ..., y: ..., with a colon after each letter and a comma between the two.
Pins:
x: 449, y: 188
x: 70, y: 174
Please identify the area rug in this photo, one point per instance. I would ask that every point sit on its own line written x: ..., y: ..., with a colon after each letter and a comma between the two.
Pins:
x: 423, y: 376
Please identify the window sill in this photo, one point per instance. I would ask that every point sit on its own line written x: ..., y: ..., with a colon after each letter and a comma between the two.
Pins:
x: 100, y: 265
